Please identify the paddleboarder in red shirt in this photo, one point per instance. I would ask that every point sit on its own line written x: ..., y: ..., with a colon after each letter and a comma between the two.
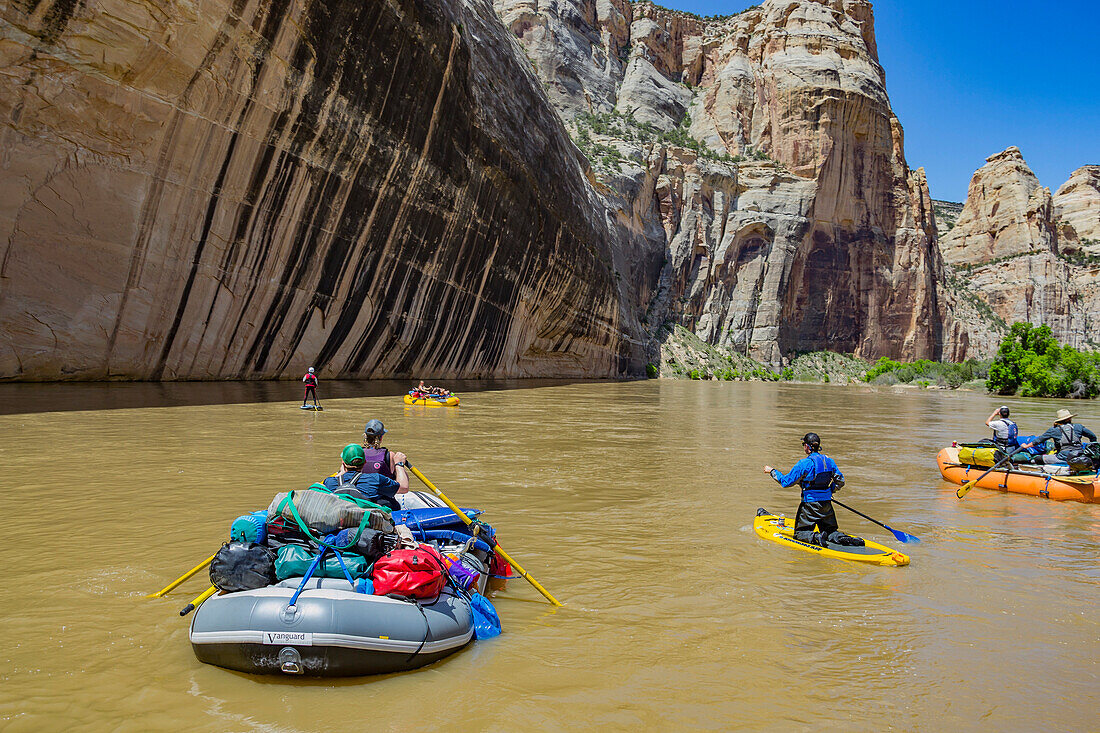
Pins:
x: 311, y: 387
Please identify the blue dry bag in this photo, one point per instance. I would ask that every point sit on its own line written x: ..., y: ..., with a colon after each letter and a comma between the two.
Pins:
x: 486, y: 621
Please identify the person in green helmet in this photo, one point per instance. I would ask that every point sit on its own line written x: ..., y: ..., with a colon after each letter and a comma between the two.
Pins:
x: 350, y: 479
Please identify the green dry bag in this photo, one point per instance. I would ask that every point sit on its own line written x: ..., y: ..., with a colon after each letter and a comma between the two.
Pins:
x: 293, y: 562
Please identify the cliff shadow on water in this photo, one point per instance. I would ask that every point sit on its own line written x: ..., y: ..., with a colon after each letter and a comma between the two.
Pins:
x: 27, y: 398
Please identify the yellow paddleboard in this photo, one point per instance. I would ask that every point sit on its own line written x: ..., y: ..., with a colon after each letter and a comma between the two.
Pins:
x: 780, y: 529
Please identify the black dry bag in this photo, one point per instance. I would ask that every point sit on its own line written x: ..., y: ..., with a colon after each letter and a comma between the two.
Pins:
x: 242, y: 566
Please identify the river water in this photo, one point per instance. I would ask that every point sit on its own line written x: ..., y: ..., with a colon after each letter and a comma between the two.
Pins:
x: 632, y: 502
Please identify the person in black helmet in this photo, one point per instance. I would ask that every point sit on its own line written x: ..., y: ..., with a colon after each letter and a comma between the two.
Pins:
x: 1005, y: 431
x: 819, y: 477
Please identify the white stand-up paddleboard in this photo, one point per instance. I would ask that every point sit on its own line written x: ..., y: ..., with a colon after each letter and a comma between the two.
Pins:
x: 313, y: 407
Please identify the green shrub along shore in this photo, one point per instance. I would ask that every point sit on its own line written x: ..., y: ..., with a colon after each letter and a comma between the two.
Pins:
x: 1029, y: 362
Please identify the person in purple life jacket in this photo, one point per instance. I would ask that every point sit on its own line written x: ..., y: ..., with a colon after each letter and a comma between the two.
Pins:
x: 379, y: 459
x: 311, y: 387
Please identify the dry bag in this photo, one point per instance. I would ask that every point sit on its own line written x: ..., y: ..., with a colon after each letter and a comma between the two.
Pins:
x: 415, y: 573
x: 242, y: 566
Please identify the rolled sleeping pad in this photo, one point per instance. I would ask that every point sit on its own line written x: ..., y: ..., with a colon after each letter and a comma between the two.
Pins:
x: 447, y: 535
x: 249, y: 527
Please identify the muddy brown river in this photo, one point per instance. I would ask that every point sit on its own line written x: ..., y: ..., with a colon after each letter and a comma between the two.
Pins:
x: 631, y: 502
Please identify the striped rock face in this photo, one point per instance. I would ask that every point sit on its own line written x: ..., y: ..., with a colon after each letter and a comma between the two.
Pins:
x: 242, y: 189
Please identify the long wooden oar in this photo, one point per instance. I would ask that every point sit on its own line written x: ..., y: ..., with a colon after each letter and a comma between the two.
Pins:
x: 965, y: 488
x: 182, y: 578
x: 462, y: 515
x: 198, y: 601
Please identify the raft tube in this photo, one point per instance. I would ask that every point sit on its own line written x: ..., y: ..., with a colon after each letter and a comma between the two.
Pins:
x: 1085, y: 489
x: 332, y: 631
x: 780, y: 529
x: 451, y: 401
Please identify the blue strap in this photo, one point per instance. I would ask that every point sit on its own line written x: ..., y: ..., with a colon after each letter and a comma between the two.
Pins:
x: 340, y: 560
x: 309, y: 573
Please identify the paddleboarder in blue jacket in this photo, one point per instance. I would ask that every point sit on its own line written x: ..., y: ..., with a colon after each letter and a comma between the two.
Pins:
x: 819, y: 477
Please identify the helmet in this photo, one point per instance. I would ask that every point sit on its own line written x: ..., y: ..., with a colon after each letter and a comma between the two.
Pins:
x: 374, y: 428
x: 352, y: 455
x: 1003, y: 411
x: 311, y: 370
x: 812, y: 440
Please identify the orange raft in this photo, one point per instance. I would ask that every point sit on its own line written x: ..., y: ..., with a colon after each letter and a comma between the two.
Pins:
x: 1085, y: 489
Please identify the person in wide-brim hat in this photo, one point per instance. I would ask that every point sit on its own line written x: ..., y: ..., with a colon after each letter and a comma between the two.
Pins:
x: 1067, y: 436
x: 1063, y: 416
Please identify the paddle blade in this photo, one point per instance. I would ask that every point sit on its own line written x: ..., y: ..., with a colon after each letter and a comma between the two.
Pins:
x: 965, y: 488
x: 905, y: 536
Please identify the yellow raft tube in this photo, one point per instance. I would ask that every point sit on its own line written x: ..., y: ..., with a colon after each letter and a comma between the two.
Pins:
x: 449, y: 401
x: 1085, y: 489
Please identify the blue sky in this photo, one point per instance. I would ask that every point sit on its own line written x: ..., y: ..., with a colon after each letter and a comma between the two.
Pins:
x: 969, y: 78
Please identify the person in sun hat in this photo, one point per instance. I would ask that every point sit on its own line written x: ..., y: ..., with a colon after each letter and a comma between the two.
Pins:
x: 1067, y: 436
x: 819, y: 477
x: 378, y: 459
x: 351, y: 480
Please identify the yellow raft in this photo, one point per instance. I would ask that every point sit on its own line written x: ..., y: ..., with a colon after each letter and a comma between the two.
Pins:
x: 449, y: 401
x: 780, y: 529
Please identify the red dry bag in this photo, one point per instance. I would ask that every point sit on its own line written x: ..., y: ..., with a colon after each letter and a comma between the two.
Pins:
x: 412, y: 573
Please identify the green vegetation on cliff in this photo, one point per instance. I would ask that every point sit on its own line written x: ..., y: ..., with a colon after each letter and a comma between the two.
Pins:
x: 626, y: 127
x: 1030, y: 362
x: 686, y: 356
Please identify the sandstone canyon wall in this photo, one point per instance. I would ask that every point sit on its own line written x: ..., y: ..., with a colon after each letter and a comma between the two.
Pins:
x: 1024, y: 255
x: 242, y: 189
x: 760, y: 151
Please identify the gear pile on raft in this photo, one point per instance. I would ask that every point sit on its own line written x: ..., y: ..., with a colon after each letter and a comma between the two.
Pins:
x: 430, y: 396
x: 353, y: 575
x: 1061, y: 464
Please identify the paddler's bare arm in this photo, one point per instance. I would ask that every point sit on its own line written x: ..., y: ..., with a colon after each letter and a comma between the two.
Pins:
x: 399, y: 471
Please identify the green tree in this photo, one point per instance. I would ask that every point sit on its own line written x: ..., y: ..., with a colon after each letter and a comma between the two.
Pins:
x: 1030, y: 362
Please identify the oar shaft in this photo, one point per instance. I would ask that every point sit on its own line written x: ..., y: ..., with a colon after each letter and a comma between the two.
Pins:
x: 198, y: 600
x: 462, y: 515
x: 854, y: 511
x: 965, y: 488
x: 182, y: 578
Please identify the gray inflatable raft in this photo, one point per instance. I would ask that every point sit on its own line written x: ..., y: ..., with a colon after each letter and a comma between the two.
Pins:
x: 332, y: 631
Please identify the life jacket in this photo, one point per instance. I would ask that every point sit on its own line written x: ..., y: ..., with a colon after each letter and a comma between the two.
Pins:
x: 377, y: 461
x: 1070, y: 438
x: 310, y: 380
x: 819, y: 485
x: 1013, y: 434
